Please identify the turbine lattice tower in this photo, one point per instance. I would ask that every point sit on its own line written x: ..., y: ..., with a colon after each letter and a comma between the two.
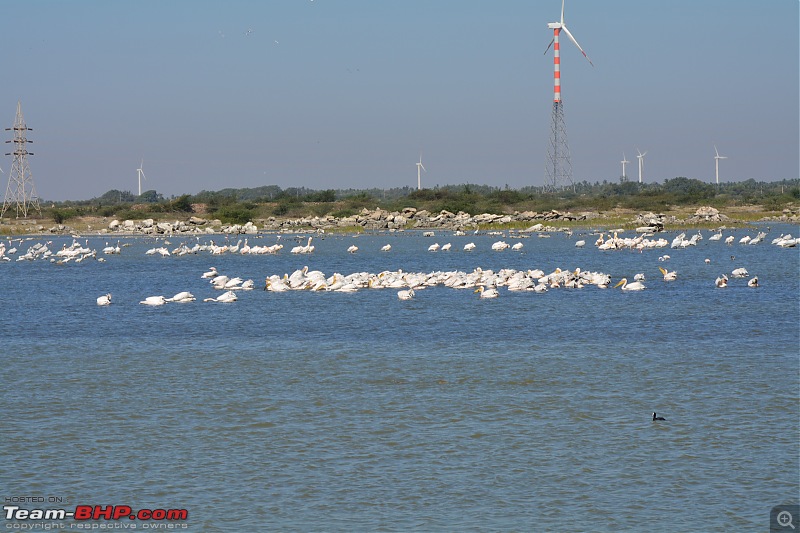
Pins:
x: 559, y: 161
x: 20, y: 192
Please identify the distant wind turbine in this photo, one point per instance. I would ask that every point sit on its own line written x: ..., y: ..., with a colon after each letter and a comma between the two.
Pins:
x: 419, y: 176
x: 624, y: 162
x: 641, y: 163
x: 716, y: 161
x: 141, y: 175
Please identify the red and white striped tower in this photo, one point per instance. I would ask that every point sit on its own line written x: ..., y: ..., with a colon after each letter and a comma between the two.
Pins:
x: 556, y: 67
x: 559, y: 164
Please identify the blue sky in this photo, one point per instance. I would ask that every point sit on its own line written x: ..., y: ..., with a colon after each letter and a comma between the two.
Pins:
x: 347, y: 93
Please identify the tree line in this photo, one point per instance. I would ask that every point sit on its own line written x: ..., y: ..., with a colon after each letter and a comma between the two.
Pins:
x: 240, y: 205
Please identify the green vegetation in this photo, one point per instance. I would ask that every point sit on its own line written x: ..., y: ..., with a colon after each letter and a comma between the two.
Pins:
x: 241, y: 205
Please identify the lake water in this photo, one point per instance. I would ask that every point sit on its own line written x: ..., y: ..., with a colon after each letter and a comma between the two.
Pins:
x: 327, y: 411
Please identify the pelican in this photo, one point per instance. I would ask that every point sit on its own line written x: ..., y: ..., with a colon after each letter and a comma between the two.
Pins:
x: 487, y: 293
x: 635, y: 286
x: 352, y: 249
x: 639, y: 277
x: 154, y: 300
x: 469, y: 246
x: 446, y: 247
x: 668, y: 276
x: 739, y: 273
x: 104, y: 300
x: 386, y: 247
x: 721, y: 282
x: 182, y: 297
x: 517, y: 246
x: 729, y: 239
x: 707, y: 260
x: 433, y: 247
x: 226, y: 297
x: 752, y: 283
x: 212, y: 273
x: 580, y: 244
x: 406, y: 295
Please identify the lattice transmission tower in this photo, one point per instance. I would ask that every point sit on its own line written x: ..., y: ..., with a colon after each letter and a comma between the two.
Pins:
x: 20, y: 192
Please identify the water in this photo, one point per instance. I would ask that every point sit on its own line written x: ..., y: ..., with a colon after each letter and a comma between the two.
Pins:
x: 360, y: 412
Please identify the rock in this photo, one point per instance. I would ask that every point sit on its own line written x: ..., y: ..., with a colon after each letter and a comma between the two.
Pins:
x: 706, y: 212
x: 113, y: 225
x: 197, y: 221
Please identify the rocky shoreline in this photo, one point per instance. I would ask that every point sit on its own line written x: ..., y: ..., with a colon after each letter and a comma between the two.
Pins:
x: 380, y: 219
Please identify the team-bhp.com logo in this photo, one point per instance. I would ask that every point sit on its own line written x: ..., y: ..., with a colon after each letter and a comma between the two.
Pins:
x: 95, y: 512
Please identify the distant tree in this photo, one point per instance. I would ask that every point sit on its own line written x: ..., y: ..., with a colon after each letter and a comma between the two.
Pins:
x: 150, y: 197
x: 182, y: 203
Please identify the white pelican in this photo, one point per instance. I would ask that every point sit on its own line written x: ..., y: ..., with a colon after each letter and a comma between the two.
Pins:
x: 668, y: 276
x: 721, y: 282
x: 352, y: 249
x: 487, y: 293
x: 446, y: 247
x: 716, y: 236
x: 707, y: 260
x: 739, y: 273
x: 104, y: 300
x: 580, y: 244
x: 154, y: 300
x: 182, y: 297
x: 226, y: 297
x: 433, y: 247
x: 635, y: 286
x: 753, y: 282
x: 386, y: 247
x: 406, y: 295
x: 469, y: 246
x: 729, y: 239
x: 499, y: 246
x: 639, y: 277
x: 517, y: 246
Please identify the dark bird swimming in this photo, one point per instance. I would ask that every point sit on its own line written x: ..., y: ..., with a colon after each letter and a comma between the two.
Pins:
x: 658, y: 417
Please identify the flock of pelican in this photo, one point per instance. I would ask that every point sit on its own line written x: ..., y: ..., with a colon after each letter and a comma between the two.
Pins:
x: 485, y: 283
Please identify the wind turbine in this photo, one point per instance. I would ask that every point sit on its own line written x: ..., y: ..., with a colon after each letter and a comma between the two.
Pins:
x: 624, y: 162
x: 641, y: 163
x: 419, y: 176
x: 141, y: 175
x: 557, y: 27
x: 716, y: 161
x: 559, y: 165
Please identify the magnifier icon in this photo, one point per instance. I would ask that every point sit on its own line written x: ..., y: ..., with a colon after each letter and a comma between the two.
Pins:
x: 785, y: 519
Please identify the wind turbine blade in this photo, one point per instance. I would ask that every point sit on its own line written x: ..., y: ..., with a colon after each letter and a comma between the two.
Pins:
x: 145, y: 177
x: 562, y: 12
x: 423, y: 167
x: 576, y: 44
x: 715, y: 150
x: 549, y: 45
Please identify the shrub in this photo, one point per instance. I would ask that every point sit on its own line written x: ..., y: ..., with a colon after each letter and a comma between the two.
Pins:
x: 234, y: 214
